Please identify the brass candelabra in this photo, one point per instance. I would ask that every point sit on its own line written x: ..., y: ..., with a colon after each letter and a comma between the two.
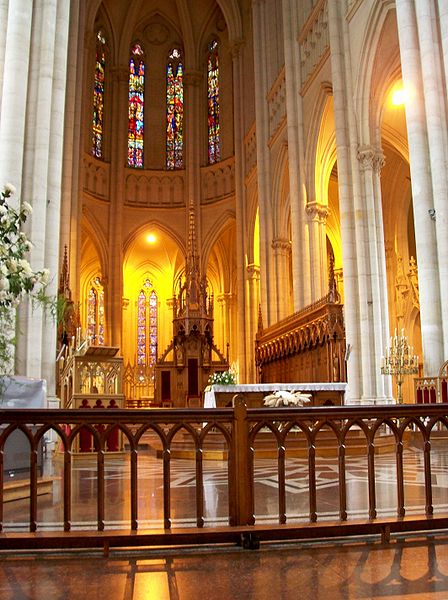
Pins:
x: 399, y: 360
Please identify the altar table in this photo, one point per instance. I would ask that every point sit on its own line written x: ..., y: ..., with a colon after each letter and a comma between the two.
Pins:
x: 322, y: 393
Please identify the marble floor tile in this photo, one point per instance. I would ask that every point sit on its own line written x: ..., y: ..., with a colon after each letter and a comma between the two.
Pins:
x: 412, y: 568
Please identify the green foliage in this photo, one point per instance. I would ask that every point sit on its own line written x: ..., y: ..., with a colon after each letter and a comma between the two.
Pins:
x: 17, y: 278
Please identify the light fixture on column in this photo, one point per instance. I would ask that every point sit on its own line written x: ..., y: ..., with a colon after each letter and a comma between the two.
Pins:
x: 399, y: 361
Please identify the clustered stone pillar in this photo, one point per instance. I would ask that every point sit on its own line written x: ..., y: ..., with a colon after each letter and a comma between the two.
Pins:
x: 426, y: 125
x: 281, y: 249
x: 35, y: 42
x: 371, y: 161
x: 16, y: 33
x: 244, y: 342
x: 268, y: 298
x: 365, y: 291
x: 352, y: 311
x: 301, y: 269
x: 118, y: 160
x: 226, y: 302
x: 317, y: 214
x: 253, y: 278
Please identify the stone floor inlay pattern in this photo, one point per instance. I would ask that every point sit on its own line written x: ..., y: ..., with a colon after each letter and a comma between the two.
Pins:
x: 150, y: 481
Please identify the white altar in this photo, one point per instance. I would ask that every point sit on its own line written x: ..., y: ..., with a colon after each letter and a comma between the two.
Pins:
x: 322, y: 393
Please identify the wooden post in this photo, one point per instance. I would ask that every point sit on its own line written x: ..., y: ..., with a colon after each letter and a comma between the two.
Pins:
x: 241, y: 488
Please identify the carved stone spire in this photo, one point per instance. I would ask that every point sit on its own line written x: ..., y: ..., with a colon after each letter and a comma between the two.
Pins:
x: 64, y: 280
x: 333, y: 293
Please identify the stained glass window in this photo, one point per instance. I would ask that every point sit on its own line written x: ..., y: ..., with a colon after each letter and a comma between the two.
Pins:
x: 214, y: 142
x: 136, y: 106
x: 98, y: 97
x: 95, y: 314
x: 147, y: 325
x: 174, y: 110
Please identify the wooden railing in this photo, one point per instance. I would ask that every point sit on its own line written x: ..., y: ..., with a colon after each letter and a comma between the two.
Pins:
x: 240, y: 429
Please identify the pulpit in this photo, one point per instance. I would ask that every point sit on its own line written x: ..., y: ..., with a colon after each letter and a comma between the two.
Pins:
x: 93, y: 379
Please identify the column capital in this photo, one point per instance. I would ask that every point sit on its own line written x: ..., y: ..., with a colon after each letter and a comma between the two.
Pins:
x: 281, y: 246
x: 317, y: 211
x: 371, y: 157
x: 253, y: 271
x: 225, y: 299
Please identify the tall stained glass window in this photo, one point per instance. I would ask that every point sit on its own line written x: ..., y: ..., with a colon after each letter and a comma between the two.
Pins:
x: 136, y: 106
x: 95, y: 314
x: 147, y: 325
x: 214, y: 143
x: 98, y: 96
x: 174, y: 110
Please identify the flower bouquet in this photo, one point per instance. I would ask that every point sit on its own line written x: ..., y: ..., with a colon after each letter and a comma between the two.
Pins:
x: 285, y: 398
x: 17, y: 278
x: 222, y: 378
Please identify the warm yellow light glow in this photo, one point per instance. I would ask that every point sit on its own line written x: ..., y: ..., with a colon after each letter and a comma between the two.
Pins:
x: 399, y: 96
x: 151, y: 238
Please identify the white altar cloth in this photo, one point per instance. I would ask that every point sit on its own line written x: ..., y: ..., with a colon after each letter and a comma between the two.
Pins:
x: 268, y: 388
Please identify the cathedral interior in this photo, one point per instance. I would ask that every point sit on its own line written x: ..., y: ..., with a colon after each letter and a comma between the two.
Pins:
x: 205, y: 176
x: 267, y: 154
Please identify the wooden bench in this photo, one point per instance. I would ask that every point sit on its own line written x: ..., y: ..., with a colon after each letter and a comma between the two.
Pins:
x: 17, y: 489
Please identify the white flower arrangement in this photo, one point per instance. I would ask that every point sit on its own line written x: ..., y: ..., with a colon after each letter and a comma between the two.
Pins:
x: 17, y: 278
x: 285, y: 398
x: 222, y: 378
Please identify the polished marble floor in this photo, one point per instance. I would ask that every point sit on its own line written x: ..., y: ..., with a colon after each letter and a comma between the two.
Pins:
x: 150, y: 489
x: 415, y: 568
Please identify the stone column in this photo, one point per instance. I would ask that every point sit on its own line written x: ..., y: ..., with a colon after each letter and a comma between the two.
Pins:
x: 14, y: 92
x: 317, y: 214
x: 226, y: 302
x: 353, y: 314
x: 282, y: 251
x: 442, y: 8
x: 54, y: 190
x: 253, y: 301
x: 71, y: 202
x: 41, y: 180
x: 371, y: 161
x: 244, y: 350
x: 3, y: 33
x: 422, y: 189
x: 301, y: 269
x: 436, y: 122
x: 268, y: 301
x: 118, y: 160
